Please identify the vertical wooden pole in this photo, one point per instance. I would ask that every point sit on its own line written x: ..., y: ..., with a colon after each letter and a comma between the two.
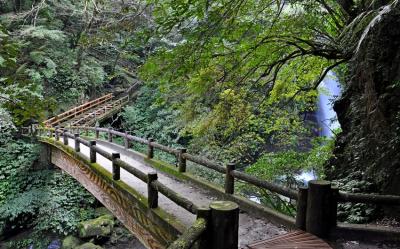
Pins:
x: 224, y: 222
x: 301, y: 208
x: 229, y: 179
x: 65, y: 137
x: 204, y: 242
x: 57, y: 135
x: 116, y: 171
x: 318, y: 208
x: 150, y: 149
x: 152, y: 193
x: 92, y: 151
x: 97, y: 133
x: 77, y: 144
x: 334, y: 205
x: 182, y: 160
x: 87, y: 132
x: 126, y: 140
x: 110, y: 136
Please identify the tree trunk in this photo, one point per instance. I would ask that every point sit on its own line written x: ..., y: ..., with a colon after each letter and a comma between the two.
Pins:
x: 369, y: 110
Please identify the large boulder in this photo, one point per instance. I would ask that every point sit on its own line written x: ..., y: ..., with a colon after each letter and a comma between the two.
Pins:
x: 99, y: 227
x: 89, y: 246
x: 70, y: 242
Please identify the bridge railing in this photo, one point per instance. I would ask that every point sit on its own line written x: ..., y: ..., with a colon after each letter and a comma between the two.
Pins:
x: 198, y: 235
x: 77, y: 110
x: 317, y: 204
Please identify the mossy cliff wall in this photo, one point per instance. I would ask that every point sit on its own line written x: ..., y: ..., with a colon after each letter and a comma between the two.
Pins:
x: 369, y: 110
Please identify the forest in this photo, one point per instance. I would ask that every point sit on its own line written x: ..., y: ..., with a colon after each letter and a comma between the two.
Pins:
x: 287, y: 90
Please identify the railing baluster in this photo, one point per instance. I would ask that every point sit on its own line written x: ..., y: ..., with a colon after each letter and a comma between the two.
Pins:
x: 65, y: 137
x: 152, y: 193
x: 116, y: 170
x: 77, y: 144
x: 126, y: 140
x: 301, y: 208
x: 150, y: 149
x: 229, y: 179
x: 97, y: 133
x: 182, y: 160
x: 92, y: 151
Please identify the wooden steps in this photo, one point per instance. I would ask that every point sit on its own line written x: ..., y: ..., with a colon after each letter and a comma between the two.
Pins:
x: 292, y: 240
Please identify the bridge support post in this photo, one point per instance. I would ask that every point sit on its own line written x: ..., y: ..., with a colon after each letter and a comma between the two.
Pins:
x: 319, y: 201
x: 110, y: 136
x: 126, y: 140
x: 150, y: 149
x: 116, y: 171
x: 92, y: 151
x: 77, y: 144
x: 97, y: 133
x: 182, y: 160
x: 229, y: 179
x: 301, y: 208
x: 152, y: 193
x: 65, y: 138
x: 224, y: 225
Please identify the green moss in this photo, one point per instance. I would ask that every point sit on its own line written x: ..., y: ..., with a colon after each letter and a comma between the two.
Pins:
x: 99, y: 227
x: 70, y: 242
x: 89, y: 246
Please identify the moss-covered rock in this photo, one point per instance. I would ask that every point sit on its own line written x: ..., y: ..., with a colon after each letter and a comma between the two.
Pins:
x: 89, y: 246
x: 99, y: 227
x: 102, y: 211
x: 70, y: 242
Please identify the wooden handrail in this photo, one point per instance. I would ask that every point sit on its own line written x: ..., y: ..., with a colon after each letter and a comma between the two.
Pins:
x: 157, y: 186
x: 79, y: 109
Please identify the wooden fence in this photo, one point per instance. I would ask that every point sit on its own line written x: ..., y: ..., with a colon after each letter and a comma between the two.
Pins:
x: 317, y: 204
x: 220, y: 217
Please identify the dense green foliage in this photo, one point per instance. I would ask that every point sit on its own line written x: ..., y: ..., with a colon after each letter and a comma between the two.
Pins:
x: 45, y: 200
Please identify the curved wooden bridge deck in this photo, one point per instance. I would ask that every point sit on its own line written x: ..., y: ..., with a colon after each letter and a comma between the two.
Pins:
x: 165, y: 206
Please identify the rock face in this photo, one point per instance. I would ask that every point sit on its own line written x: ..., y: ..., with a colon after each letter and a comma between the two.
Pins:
x: 369, y: 110
x: 99, y: 227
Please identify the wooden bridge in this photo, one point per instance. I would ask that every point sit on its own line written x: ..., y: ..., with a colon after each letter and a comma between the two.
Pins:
x: 165, y: 206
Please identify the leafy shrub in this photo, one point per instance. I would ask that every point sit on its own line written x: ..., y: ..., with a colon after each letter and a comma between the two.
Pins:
x: 46, y: 200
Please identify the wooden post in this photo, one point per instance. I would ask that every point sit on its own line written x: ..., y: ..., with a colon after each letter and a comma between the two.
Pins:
x: 150, y: 149
x: 92, y: 151
x: 97, y: 133
x: 87, y: 132
x: 229, y: 179
x: 204, y: 242
x: 110, y: 137
x: 334, y: 205
x: 65, y: 137
x: 116, y: 171
x: 301, y: 208
x: 77, y: 144
x: 318, y: 208
x: 224, y: 225
x: 152, y: 193
x: 182, y: 160
x: 57, y: 135
x: 126, y: 140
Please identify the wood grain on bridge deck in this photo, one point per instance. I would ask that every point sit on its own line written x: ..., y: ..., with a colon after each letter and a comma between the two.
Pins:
x: 292, y: 240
